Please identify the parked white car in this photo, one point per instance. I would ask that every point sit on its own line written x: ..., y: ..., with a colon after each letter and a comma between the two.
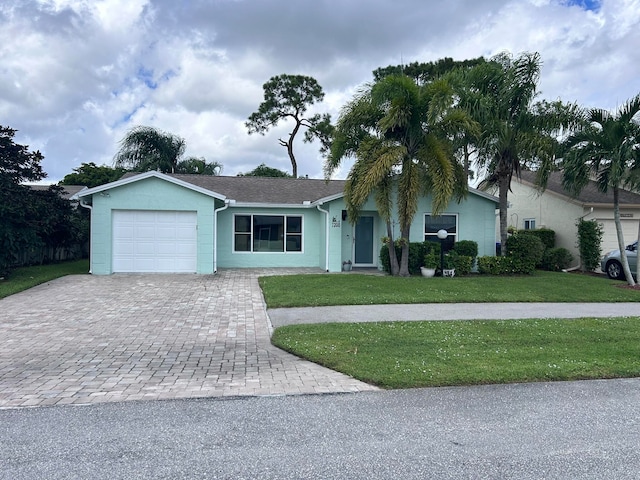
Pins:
x: 610, y: 263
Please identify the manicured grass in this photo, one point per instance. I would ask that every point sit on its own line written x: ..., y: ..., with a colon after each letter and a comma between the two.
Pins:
x: 357, y: 289
x: 424, y: 354
x: 27, y: 277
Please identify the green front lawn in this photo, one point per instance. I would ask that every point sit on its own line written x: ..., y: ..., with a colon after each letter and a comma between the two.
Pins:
x: 427, y: 354
x: 356, y: 289
x: 24, y: 278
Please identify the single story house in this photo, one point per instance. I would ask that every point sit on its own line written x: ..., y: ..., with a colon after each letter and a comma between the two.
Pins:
x: 556, y: 209
x: 155, y: 222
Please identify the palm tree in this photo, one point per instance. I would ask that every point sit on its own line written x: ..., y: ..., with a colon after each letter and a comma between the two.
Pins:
x: 608, y: 149
x: 198, y: 166
x: 516, y: 133
x: 147, y: 148
x: 400, y: 135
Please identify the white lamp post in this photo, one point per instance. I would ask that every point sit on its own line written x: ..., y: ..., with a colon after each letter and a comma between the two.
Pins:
x: 442, y: 234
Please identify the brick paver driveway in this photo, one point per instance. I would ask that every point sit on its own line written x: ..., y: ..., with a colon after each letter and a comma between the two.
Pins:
x: 87, y: 339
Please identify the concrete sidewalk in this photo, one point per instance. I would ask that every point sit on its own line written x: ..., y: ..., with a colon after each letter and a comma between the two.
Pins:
x: 449, y: 311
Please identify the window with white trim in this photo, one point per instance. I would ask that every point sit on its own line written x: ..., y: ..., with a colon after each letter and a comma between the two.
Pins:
x: 432, y: 224
x: 267, y: 233
x: 529, y: 223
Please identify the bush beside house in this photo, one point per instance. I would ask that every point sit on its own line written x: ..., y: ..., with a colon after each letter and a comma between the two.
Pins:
x: 527, y: 251
x: 461, y: 257
x: 417, y: 252
x: 589, y: 244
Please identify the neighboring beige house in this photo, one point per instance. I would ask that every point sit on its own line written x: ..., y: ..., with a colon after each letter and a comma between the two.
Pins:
x: 558, y: 210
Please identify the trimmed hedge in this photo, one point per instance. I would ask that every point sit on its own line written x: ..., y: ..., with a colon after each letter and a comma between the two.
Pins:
x: 589, y: 243
x: 462, y: 263
x: 556, y: 259
x: 417, y: 251
x: 504, y: 266
x: 546, y: 236
x: 467, y: 248
x: 526, y: 248
x: 524, y: 253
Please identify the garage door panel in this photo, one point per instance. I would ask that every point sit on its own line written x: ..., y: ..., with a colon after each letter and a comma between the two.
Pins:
x: 154, y: 241
x: 183, y: 233
x: 182, y: 249
x: 146, y: 232
x: 167, y: 249
x: 144, y: 265
x: 144, y: 248
x: 167, y: 234
x: 610, y: 237
x: 182, y: 219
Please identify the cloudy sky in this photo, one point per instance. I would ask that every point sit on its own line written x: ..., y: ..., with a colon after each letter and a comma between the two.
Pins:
x: 75, y: 75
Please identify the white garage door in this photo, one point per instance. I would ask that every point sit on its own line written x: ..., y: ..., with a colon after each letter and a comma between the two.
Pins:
x: 154, y: 241
x: 610, y: 238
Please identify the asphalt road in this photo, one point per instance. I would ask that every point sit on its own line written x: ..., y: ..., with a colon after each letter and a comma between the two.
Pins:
x: 570, y: 430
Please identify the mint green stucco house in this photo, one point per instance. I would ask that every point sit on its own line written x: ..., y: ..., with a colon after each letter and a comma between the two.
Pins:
x: 153, y: 222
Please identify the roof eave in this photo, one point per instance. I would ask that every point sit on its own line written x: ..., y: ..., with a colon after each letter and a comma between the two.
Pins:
x: 482, y: 194
x: 610, y: 204
x: 233, y: 203
x: 143, y: 176
x: 329, y: 198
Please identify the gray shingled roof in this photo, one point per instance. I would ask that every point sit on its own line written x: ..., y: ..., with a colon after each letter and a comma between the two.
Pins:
x: 69, y: 190
x: 266, y: 189
x: 590, y: 195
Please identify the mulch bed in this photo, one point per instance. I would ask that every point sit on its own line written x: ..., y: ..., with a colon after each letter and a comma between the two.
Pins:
x: 626, y: 286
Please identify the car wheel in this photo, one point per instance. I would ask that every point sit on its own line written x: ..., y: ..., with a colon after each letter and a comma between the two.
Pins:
x: 614, y: 270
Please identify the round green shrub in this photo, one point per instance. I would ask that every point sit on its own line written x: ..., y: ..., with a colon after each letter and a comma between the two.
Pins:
x: 556, y: 259
x: 467, y: 248
x: 527, y: 249
x: 461, y: 263
x: 546, y: 235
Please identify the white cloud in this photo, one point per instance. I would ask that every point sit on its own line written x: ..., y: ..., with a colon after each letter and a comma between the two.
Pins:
x: 76, y: 74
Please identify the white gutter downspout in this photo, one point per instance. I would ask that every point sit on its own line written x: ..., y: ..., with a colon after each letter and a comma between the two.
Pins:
x: 86, y: 205
x: 326, y: 253
x: 215, y: 235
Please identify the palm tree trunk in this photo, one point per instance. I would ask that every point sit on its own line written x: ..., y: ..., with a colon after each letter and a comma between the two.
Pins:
x: 393, y: 258
x: 503, y: 189
x: 404, y: 258
x: 638, y: 255
x: 621, y: 245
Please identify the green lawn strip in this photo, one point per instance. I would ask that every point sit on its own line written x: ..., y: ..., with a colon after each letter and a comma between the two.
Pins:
x: 24, y: 278
x: 357, y: 289
x: 429, y: 354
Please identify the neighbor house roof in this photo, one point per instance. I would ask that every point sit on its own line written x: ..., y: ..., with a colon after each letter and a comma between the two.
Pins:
x: 589, y: 196
x: 69, y: 190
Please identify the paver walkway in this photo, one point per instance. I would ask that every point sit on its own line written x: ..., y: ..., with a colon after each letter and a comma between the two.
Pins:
x: 87, y: 339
